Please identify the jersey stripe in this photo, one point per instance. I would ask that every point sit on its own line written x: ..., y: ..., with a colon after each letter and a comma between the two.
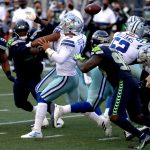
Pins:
x: 68, y: 43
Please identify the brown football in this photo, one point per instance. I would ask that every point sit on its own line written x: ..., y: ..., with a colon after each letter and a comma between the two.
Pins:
x: 92, y: 8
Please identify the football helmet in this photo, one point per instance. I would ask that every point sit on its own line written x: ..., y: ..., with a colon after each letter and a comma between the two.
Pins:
x: 136, y: 27
x: 71, y: 24
x: 135, y: 18
x: 99, y: 37
x: 21, y: 29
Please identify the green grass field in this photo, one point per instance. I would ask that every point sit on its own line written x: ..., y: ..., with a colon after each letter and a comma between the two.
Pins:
x: 79, y: 133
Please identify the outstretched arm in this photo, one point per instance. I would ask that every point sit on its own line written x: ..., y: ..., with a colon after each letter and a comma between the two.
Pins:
x: 49, y: 38
x: 91, y: 63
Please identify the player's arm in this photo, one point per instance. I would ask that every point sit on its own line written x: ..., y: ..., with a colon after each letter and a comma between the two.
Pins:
x: 92, y: 62
x: 62, y: 56
x: 49, y: 38
x: 5, y: 66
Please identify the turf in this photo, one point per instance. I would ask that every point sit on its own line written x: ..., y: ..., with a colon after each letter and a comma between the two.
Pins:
x: 79, y: 133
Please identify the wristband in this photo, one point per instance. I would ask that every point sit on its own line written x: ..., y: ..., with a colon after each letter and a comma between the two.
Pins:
x: 49, y: 51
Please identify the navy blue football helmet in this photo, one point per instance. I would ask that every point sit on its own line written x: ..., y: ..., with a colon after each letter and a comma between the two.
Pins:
x: 99, y: 37
x: 21, y: 28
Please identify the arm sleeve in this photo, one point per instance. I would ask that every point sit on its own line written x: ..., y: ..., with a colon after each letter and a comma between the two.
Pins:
x: 63, y: 55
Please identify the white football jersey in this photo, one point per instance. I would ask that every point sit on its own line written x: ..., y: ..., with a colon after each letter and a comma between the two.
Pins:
x: 127, y: 44
x: 72, y: 45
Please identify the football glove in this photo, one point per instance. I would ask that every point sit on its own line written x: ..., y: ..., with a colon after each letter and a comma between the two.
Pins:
x: 78, y: 57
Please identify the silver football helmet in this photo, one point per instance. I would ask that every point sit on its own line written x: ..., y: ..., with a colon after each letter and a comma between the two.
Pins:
x: 135, y: 18
x: 136, y: 27
x: 71, y: 24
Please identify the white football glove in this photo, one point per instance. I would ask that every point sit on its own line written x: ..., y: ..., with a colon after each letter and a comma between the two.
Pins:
x: 30, y: 15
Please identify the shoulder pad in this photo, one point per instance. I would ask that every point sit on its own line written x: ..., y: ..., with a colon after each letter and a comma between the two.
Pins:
x: 68, y: 42
x: 14, y: 41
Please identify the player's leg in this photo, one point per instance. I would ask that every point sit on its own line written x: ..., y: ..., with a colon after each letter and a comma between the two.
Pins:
x: 95, y: 95
x: 59, y: 86
x: 21, y: 93
x: 120, y: 100
x: 31, y: 85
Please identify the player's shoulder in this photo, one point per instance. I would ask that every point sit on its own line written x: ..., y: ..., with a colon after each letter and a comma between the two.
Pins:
x: 100, y: 49
x: 14, y: 42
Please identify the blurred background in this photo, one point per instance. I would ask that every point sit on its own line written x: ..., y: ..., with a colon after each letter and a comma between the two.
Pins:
x: 52, y: 10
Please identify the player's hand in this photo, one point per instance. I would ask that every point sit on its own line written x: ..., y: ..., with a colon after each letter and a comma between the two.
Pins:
x: 43, y: 44
x: 30, y: 15
x: 79, y: 57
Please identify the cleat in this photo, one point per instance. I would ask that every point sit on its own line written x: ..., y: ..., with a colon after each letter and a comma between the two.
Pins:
x: 60, y: 123
x: 106, y: 125
x: 56, y: 112
x: 128, y: 136
x: 143, y: 141
x: 32, y: 134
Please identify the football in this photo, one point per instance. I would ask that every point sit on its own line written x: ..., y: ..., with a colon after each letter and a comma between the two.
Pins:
x: 92, y: 8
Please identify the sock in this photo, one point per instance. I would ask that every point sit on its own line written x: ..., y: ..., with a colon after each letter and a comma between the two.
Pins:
x: 93, y: 116
x: 98, y: 111
x: 66, y: 108
x: 81, y: 107
x: 40, y: 115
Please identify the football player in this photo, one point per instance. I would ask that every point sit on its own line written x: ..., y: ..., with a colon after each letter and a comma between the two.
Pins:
x: 71, y: 41
x: 125, y: 91
x: 127, y: 43
x: 27, y: 65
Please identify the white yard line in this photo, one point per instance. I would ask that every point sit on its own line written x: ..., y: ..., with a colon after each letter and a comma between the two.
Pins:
x: 53, y: 136
x: 7, y: 94
x: 4, y: 110
x: 2, y: 133
x: 109, y: 138
x: 24, y: 121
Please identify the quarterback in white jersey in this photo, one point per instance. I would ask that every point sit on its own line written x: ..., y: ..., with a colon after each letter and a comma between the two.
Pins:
x: 71, y: 42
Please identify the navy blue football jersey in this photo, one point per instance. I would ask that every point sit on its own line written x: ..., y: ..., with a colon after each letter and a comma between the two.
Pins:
x: 112, y: 64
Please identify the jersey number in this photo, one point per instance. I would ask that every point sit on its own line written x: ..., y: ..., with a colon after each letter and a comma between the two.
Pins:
x: 120, y: 45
